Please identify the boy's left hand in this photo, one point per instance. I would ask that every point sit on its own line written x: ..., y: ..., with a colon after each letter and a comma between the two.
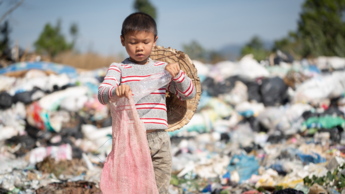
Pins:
x: 173, y: 69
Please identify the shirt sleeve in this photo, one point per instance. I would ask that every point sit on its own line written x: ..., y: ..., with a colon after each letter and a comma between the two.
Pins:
x: 111, y: 81
x: 182, y: 86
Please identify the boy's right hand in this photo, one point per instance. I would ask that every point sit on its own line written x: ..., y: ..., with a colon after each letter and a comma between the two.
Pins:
x: 123, y: 90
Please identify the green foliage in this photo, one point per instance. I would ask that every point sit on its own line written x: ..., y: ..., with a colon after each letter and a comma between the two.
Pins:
x: 255, y: 47
x: 289, y: 44
x: 190, y: 182
x: 52, y: 42
x: 332, y: 179
x: 278, y: 188
x: 321, y: 30
x: 194, y: 50
x: 174, y: 180
x: 225, y: 192
x: 5, y: 36
x: 74, y: 30
x: 146, y: 7
x: 215, y: 57
x: 260, y: 189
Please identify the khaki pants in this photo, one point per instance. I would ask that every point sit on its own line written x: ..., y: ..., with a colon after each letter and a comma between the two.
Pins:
x: 160, y: 150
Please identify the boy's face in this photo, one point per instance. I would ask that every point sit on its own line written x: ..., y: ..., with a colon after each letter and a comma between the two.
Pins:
x: 139, y: 45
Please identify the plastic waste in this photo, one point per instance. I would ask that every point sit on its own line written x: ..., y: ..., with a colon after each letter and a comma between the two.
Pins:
x: 327, y: 122
x: 274, y: 91
x: 74, y: 103
x: 128, y: 167
x: 23, y: 144
x: 330, y: 62
x: 317, y: 189
x: 237, y: 95
x: 334, y: 163
x: 288, y: 191
x: 6, y: 82
x: 99, y: 137
x: 251, y: 192
x: 220, y: 108
x: 245, y: 165
x: 63, y: 152
x: 320, y: 88
x: 5, y: 100
x: 302, y: 188
x: 198, y: 123
x: 28, y: 97
x: 52, y: 101
x: 202, y: 68
x: 150, y: 84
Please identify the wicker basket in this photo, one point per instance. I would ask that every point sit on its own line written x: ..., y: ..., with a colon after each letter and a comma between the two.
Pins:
x: 179, y: 112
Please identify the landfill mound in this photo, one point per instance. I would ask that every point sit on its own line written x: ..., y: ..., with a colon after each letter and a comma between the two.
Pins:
x: 259, y: 128
x: 79, y: 187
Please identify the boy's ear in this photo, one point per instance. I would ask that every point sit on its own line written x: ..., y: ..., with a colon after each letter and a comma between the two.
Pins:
x: 155, y: 41
x: 122, y: 40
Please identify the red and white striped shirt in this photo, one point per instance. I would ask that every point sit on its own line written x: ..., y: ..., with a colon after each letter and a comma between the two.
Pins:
x: 152, y: 109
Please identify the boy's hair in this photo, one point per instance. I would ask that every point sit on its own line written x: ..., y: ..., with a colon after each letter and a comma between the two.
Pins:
x: 139, y: 21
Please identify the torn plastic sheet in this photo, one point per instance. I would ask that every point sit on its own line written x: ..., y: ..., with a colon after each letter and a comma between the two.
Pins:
x: 128, y: 167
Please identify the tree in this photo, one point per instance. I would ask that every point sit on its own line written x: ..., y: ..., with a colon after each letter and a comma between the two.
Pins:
x: 74, y: 31
x: 194, y: 50
x: 52, y: 42
x: 290, y: 44
x: 256, y: 47
x: 215, y: 57
x: 5, y: 36
x: 10, y: 10
x: 321, y: 30
x: 145, y: 6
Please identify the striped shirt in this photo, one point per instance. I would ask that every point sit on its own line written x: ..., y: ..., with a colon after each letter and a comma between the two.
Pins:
x: 152, y: 109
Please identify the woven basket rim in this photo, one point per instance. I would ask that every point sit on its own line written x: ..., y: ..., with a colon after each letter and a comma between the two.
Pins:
x: 161, y: 54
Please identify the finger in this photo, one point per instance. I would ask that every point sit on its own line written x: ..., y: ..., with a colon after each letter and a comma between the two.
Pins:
x: 176, y: 71
x: 126, y: 88
x: 125, y: 94
x: 129, y: 93
x: 171, y: 72
x: 121, y: 91
x: 117, y: 92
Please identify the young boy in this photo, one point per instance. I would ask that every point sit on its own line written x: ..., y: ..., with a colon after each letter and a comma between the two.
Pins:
x: 139, y: 36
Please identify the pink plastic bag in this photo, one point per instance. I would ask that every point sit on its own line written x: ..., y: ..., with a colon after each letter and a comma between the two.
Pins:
x: 128, y: 168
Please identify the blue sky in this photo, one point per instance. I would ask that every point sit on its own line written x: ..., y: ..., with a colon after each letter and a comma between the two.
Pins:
x: 213, y: 23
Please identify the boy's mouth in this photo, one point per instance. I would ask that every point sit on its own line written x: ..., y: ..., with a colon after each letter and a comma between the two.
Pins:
x: 139, y: 55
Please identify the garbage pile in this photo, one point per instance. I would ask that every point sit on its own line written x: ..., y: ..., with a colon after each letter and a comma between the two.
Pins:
x: 258, y: 129
x: 264, y: 129
x: 53, y: 130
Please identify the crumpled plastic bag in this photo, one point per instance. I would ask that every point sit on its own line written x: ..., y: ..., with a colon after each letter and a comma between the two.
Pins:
x: 128, y: 168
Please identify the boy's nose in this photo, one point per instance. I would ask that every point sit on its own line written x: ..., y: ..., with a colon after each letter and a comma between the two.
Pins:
x: 140, y: 47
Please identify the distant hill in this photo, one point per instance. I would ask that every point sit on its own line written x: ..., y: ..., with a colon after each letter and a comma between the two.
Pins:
x: 233, y: 51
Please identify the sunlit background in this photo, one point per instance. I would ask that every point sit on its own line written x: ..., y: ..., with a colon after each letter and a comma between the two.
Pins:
x: 272, y: 94
x: 221, y: 27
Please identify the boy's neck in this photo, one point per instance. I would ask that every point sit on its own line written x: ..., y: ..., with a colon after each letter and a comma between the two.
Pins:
x: 139, y: 62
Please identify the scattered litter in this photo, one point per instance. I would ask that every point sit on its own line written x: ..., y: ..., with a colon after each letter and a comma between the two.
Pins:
x: 257, y: 129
